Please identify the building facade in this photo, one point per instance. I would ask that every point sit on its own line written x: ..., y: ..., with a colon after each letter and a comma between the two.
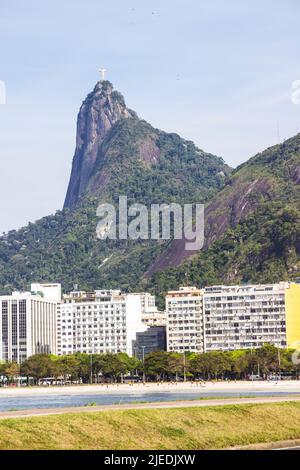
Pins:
x: 151, y: 316
x: 153, y: 339
x: 292, y: 305
x: 27, y: 326
x: 233, y: 317
x: 184, y: 309
x: 50, y: 291
x: 244, y: 317
x: 103, y: 321
x: 154, y: 318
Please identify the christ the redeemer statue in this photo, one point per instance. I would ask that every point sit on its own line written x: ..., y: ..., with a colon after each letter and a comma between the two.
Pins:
x: 102, y: 73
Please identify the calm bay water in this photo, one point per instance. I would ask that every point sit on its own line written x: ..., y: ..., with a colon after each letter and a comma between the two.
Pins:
x: 65, y: 400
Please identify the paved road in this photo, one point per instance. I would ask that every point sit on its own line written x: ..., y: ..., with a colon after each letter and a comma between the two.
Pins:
x: 288, y: 448
x: 130, y: 406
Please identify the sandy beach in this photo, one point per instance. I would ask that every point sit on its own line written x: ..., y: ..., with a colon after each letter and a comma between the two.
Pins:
x: 150, y: 387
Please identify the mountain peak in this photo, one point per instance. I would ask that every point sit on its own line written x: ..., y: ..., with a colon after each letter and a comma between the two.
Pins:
x: 104, y: 88
x: 105, y: 84
x: 101, y: 109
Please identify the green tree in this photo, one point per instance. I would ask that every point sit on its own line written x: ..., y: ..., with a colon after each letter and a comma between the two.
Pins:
x: 68, y: 366
x: 38, y: 366
x: 212, y: 364
x: 11, y: 370
x: 114, y: 366
x: 268, y: 358
x: 175, y: 364
x: 241, y: 363
x: 156, y: 364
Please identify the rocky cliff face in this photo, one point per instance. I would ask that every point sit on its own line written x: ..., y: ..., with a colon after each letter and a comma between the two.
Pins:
x: 117, y: 153
x: 237, y: 200
x: 265, y: 183
x: 102, y: 108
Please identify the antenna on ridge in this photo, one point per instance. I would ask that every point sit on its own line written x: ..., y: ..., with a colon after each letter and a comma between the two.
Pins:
x: 278, y: 132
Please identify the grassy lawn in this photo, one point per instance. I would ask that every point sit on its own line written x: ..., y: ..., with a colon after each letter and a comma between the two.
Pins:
x: 180, y: 428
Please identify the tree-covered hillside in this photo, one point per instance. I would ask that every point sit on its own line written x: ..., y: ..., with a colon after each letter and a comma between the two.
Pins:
x: 261, y: 239
x: 252, y: 217
x: 133, y: 159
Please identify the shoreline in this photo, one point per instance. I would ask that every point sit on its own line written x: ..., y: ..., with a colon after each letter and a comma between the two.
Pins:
x: 36, y: 412
x: 152, y: 387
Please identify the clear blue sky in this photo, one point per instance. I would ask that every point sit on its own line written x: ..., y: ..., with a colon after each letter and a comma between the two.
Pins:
x: 217, y: 72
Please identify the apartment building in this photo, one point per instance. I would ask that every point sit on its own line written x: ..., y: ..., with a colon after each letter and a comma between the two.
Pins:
x: 244, y: 317
x: 154, y: 318
x: 184, y: 309
x: 98, y: 322
x: 292, y: 305
x: 27, y: 325
x: 233, y: 317
x: 51, y: 291
x: 151, y: 316
x: 197, y: 320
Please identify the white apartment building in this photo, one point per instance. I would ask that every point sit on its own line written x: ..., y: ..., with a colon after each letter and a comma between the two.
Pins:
x: 151, y: 316
x: 147, y: 301
x: 244, y: 317
x: 98, y: 322
x: 51, y: 291
x: 233, y: 317
x: 185, y: 320
x: 154, y: 318
x: 27, y: 326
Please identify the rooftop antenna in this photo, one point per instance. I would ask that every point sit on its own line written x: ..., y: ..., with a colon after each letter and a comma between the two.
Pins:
x: 102, y: 71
